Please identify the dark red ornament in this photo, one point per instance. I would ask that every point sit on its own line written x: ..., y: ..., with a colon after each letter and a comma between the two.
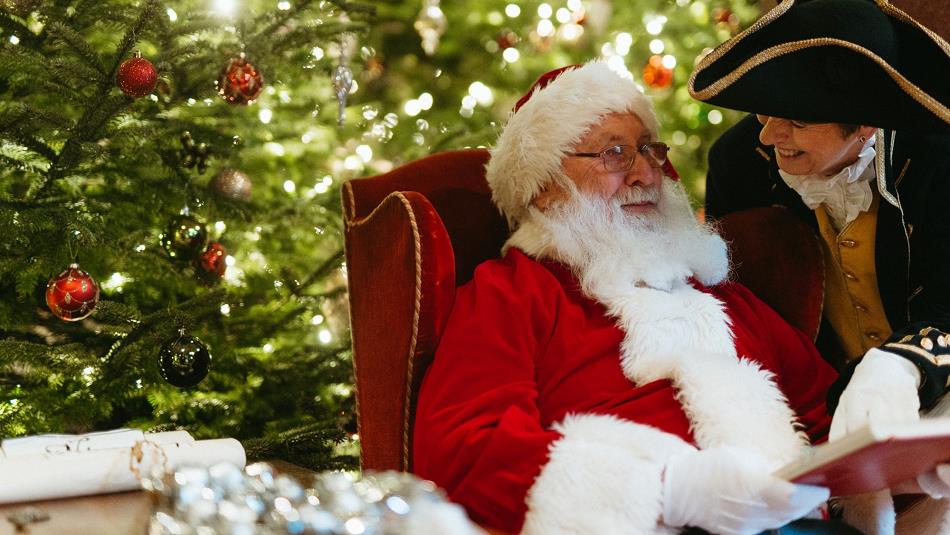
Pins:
x: 210, y: 265
x: 239, y: 82
x: 73, y: 294
x: 656, y: 75
x: 136, y: 76
x: 506, y: 39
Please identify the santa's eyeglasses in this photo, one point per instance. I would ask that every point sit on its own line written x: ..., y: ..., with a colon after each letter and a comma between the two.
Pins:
x: 620, y: 158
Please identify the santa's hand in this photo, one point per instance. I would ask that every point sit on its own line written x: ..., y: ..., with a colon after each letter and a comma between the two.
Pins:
x: 731, y: 491
x: 936, y: 483
x: 883, y: 389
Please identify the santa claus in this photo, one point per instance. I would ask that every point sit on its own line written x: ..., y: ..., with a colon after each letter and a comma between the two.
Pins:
x: 604, y: 375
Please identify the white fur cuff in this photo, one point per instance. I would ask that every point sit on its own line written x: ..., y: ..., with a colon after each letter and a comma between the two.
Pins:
x: 604, y: 476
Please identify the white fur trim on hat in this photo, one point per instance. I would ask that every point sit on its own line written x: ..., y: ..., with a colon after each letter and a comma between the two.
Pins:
x: 604, y: 476
x: 529, y: 150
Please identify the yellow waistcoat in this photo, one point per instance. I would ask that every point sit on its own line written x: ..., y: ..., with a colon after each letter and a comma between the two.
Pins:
x: 852, y: 299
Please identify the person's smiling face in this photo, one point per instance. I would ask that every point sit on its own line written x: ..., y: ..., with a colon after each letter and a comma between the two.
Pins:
x: 811, y: 148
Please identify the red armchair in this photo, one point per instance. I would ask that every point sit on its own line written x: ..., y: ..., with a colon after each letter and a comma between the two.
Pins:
x: 413, y: 234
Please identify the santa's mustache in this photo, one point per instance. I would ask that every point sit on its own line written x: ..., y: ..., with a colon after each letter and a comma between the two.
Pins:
x: 637, y: 194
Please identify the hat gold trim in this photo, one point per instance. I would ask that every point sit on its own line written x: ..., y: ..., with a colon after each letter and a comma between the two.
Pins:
x: 926, y: 100
x: 929, y: 102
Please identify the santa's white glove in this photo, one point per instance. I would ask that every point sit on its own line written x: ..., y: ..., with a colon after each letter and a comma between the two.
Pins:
x: 882, y: 390
x: 936, y: 483
x: 731, y: 491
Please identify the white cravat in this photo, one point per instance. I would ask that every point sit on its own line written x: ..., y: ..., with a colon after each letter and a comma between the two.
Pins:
x: 845, y: 194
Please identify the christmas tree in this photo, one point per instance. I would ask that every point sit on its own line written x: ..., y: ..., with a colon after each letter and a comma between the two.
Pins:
x: 187, y: 157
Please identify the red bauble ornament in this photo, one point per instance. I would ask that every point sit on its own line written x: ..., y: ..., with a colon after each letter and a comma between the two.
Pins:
x: 210, y: 265
x: 239, y: 82
x: 506, y: 39
x: 136, y: 76
x: 656, y: 75
x: 72, y: 295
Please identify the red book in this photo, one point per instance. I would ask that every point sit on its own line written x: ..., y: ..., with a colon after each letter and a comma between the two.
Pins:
x: 874, y: 457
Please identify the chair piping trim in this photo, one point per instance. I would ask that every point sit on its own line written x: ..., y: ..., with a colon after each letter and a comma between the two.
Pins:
x: 417, y: 305
x: 351, y: 202
x: 347, y: 193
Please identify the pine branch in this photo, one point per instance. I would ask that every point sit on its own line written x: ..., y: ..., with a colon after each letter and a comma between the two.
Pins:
x: 132, y: 36
x: 355, y: 7
x: 281, y: 19
x: 30, y: 142
x: 310, y: 446
x: 322, y: 270
x: 198, y: 307
x: 102, y: 107
x: 25, y: 117
x: 79, y: 45
x: 13, y: 25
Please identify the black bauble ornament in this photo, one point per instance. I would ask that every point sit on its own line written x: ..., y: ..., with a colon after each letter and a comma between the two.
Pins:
x: 183, y: 360
x: 185, y: 238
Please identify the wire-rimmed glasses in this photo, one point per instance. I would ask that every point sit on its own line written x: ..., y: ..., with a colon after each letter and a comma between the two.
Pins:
x: 620, y: 158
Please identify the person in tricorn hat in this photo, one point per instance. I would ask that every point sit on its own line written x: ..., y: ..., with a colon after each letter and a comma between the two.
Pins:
x: 604, y: 376
x: 851, y: 104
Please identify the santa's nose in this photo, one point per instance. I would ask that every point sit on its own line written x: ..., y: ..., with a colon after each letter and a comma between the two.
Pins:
x: 642, y: 173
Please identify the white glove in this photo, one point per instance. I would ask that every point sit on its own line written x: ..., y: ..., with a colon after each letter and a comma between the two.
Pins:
x: 731, y: 491
x: 883, y: 389
x: 937, y: 482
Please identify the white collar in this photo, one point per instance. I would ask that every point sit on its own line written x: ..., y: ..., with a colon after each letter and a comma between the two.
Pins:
x: 845, y: 194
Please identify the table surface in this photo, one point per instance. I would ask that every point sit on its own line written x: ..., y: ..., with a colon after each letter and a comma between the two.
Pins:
x: 122, y: 513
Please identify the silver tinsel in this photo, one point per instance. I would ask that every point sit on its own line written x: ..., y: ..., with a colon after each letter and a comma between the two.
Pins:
x: 224, y: 499
x: 342, y: 84
x: 431, y: 24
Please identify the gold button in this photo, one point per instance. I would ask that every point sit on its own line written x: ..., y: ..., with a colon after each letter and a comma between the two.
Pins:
x: 848, y: 243
x: 873, y: 336
x: 850, y: 276
x: 860, y: 307
x: 927, y: 344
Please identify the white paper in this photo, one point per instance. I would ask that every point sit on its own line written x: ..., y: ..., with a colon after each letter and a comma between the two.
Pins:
x: 64, y: 444
x: 47, y: 476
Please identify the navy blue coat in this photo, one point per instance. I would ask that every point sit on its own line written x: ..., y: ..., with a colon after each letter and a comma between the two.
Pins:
x: 912, y: 245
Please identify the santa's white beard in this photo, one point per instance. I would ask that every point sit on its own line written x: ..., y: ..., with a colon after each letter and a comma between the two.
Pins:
x: 637, y: 267
x: 612, y: 250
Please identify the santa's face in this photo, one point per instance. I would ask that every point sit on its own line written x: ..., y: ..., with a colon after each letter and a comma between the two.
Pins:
x: 606, y: 164
x: 615, y: 249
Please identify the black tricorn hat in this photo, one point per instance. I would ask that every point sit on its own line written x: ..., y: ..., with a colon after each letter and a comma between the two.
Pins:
x: 843, y: 61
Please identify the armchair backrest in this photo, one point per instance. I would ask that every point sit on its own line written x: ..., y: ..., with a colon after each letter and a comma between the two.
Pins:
x: 411, y: 236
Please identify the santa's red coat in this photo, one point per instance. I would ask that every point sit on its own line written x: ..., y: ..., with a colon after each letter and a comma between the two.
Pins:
x: 524, y: 348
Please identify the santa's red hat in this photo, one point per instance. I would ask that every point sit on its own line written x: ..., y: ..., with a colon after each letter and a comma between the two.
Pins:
x: 548, y: 121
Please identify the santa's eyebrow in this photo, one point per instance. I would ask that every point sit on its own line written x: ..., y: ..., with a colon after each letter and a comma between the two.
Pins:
x: 614, y: 139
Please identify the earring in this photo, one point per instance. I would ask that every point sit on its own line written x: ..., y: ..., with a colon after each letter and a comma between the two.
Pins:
x: 862, y: 139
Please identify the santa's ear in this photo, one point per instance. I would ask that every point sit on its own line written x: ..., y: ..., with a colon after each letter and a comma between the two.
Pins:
x: 549, y: 195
